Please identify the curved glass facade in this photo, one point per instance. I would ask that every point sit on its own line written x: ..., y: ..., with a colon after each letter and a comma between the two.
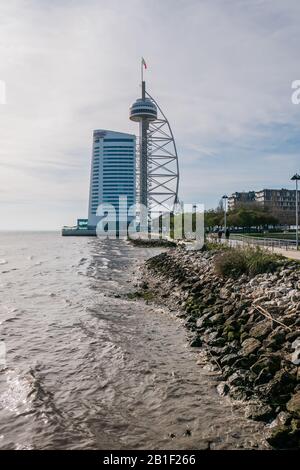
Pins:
x: 112, y: 171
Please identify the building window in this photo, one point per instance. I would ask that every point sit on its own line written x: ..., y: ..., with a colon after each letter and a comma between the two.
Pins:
x: 119, y: 140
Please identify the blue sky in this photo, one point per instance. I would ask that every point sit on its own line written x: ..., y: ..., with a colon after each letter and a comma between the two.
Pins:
x: 221, y: 70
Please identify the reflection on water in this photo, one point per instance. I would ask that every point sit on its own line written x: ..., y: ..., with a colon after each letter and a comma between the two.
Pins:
x: 88, y: 369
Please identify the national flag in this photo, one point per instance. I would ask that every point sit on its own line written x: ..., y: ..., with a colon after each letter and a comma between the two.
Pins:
x: 144, y: 62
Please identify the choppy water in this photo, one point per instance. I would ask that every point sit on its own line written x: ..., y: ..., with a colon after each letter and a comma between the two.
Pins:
x: 88, y: 370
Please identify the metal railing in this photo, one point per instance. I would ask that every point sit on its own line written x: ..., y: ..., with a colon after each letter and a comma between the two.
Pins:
x: 267, y: 242
x: 236, y: 239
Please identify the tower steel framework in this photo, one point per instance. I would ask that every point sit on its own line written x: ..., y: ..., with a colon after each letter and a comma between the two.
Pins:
x: 157, y: 163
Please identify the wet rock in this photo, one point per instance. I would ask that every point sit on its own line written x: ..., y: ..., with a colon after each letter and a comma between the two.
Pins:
x: 282, y: 418
x: 237, y: 378
x: 223, y: 389
x: 227, y: 371
x: 240, y: 393
x: 293, y: 406
x: 250, y: 346
x: 282, y: 437
x: 209, y: 338
x: 218, y: 351
x: 271, y: 363
x: 263, y: 377
x: 229, y: 359
x: 278, y: 390
x: 203, y: 320
x: 295, y: 425
x: 218, y: 342
x: 244, y: 362
x: 259, y: 412
x: 196, y: 342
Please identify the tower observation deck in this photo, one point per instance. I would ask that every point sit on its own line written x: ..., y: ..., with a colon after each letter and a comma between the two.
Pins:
x: 157, y: 160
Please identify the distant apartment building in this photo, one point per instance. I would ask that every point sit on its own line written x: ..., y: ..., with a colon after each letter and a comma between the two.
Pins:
x: 112, y: 171
x: 280, y: 199
x: 276, y: 199
x: 240, y: 198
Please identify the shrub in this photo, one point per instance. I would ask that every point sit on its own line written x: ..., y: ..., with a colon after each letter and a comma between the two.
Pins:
x: 250, y: 261
x: 231, y: 263
x: 260, y: 261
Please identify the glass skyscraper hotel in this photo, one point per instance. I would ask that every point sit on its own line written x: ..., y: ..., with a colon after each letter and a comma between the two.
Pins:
x: 112, y: 171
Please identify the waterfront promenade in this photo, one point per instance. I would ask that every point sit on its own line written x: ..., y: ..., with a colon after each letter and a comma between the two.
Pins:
x: 288, y: 253
x: 292, y: 254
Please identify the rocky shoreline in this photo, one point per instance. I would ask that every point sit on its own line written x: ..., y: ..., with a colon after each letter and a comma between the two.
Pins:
x: 249, y: 327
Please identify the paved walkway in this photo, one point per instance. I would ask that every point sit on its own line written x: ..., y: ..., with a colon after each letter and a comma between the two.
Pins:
x: 292, y: 254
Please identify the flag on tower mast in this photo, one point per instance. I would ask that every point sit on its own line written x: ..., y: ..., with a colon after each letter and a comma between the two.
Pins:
x: 144, y: 62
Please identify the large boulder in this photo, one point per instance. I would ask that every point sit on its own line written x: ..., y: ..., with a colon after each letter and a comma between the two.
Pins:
x: 259, y: 412
x: 293, y: 406
x: 283, y: 437
x: 224, y: 293
x: 277, y: 336
x: 196, y: 342
x: 229, y: 359
x: 270, y: 362
x: 278, y: 390
x: 261, y: 330
x: 238, y: 378
x: 223, y: 389
x: 250, y: 346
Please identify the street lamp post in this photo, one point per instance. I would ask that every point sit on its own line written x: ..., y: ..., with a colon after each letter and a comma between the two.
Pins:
x: 296, y: 178
x: 225, y: 197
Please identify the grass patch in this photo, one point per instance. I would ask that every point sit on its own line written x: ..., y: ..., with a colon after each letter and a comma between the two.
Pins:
x: 251, y: 261
x: 276, y: 236
x: 215, y: 246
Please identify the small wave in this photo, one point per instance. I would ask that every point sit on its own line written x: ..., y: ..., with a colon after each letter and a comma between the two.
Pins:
x: 23, y: 446
x: 9, y: 270
x: 5, y: 313
x: 18, y: 389
x: 10, y: 319
x: 104, y: 262
x: 3, y: 261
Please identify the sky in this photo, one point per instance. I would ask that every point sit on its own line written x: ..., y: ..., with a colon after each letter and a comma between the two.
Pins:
x: 221, y: 70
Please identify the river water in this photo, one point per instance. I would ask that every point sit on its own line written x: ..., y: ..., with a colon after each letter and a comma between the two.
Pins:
x: 87, y: 369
